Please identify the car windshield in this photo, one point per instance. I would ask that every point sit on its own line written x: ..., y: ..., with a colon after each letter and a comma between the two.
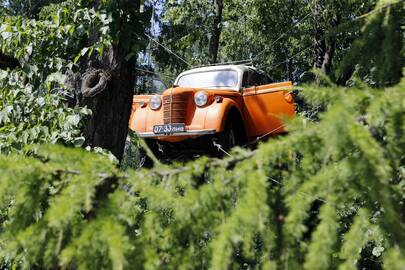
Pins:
x: 210, y: 79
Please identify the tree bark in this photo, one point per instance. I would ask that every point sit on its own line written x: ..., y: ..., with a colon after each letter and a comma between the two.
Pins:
x: 8, y: 62
x: 106, y: 86
x: 319, y: 41
x: 215, y: 31
x: 324, y: 46
x: 108, y: 126
x: 345, y: 75
x: 289, y: 70
x: 330, y: 46
x: 319, y: 48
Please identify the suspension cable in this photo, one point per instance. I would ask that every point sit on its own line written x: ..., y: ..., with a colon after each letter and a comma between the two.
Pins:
x: 154, y: 73
x: 290, y: 58
x: 167, y: 49
x: 282, y: 35
x: 324, y: 36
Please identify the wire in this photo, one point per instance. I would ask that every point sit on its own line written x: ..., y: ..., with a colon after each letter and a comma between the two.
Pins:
x: 282, y: 35
x: 337, y: 27
x: 246, y: 61
x: 278, y: 39
x: 290, y: 58
x: 263, y: 136
x: 325, y: 35
x: 153, y: 73
x: 167, y: 49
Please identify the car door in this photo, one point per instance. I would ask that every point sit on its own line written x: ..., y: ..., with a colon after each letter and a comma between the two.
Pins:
x: 266, y: 104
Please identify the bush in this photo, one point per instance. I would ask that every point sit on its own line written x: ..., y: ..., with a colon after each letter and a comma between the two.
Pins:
x: 324, y: 197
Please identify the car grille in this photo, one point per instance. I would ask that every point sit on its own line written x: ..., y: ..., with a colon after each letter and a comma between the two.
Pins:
x: 174, y: 109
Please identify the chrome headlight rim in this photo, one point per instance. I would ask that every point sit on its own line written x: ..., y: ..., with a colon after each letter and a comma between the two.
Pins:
x: 201, y: 98
x: 155, y: 102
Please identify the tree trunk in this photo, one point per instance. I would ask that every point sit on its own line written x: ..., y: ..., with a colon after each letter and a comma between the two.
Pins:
x: 319, y: 48
x: 106, y: 86
x: 288, y: 74
x: 324, y: 46
x: 345, y: 75
x: 8, y: 62
x: 216, y: 31
x: 108, y: 126
x: 319, y: 41
x: 330, y: 46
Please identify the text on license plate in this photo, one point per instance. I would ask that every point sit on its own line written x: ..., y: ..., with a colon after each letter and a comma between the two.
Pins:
x: 169, y: 128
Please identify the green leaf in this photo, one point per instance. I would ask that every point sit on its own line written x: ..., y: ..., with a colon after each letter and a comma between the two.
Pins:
x: 76, y: 59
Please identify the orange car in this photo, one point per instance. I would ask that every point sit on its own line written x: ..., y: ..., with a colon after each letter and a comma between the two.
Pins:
x: 233, y: 104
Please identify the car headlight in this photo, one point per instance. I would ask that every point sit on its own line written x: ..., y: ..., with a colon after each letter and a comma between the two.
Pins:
x: 155, y: 102
x: 201, y: 98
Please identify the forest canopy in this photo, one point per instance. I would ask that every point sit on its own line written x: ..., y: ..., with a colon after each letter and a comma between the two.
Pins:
x: 328, y: 195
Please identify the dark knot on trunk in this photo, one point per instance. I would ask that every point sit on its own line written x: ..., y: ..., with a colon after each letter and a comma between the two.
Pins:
x: 94, y: 82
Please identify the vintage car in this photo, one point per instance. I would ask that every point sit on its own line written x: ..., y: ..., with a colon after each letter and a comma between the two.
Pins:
x: 231, y: 104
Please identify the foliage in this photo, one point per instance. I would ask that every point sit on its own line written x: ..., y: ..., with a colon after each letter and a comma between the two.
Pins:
x: 29, y: 115
x: 54, y: 42
x: 178, y: 18
x: 382, y: 37
x: 24, y: 8
x: 36, y: 105
x: 327, y: 196
x: 275, y: 35
x: 133, y: 156
x: 257, y: 209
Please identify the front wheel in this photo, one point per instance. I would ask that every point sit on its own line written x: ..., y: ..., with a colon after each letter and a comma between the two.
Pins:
x: 226, y: 140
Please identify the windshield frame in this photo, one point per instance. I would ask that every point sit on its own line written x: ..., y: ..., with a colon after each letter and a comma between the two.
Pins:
x: 237, y: 87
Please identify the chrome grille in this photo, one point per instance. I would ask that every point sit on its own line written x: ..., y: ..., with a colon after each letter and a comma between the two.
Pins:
x: 174, y: 109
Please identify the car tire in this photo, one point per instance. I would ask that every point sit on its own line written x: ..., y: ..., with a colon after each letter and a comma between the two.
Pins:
x: 226, y: 139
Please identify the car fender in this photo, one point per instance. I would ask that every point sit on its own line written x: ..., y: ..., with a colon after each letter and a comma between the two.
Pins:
x: 217, y: 113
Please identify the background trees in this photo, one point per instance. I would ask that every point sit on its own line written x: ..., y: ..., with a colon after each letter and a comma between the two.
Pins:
x: 101, y: 45
x: 286, y: 38
x: 330, y: 195
x: 29, y: 8
x: 327, y: 196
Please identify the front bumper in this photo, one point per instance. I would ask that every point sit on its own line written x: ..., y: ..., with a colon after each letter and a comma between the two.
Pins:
x: 186, y: 133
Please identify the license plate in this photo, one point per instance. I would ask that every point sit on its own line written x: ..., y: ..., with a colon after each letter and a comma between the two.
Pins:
x: 169, y: 129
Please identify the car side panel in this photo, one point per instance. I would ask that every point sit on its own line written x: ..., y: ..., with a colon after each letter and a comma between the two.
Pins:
x: 142, y: 116
x: 217, y: 112
x: 266, y: 106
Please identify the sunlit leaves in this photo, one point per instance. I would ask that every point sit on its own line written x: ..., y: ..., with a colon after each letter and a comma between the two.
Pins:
x: 33, y: 105
x: 317, y: 198
x: 29, y: 115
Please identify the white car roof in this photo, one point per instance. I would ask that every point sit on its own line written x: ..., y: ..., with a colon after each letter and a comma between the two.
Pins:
x: 238, y: 68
